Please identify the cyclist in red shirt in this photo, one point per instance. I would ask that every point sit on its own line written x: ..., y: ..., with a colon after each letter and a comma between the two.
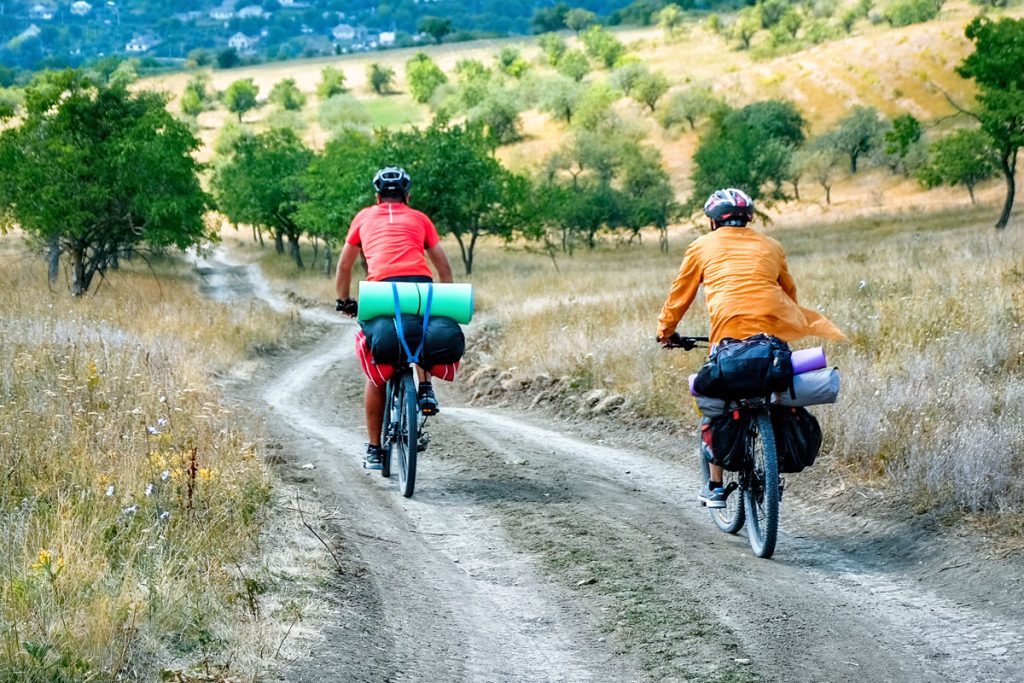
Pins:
x: 395, y: 240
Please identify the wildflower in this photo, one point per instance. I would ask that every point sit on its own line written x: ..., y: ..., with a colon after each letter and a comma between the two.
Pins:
x: 152, y: 430
x: 43, y: 560
x: 130, y: 510
x: 164, y: 516
x: 149, y: 489
x: 161, y: 422
x: 205, y: 473
x: 110, y: 491
x: 165, y: 475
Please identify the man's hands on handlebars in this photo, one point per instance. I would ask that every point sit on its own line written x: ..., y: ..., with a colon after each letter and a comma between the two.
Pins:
x: 675, y: 341
x: 347, y: 306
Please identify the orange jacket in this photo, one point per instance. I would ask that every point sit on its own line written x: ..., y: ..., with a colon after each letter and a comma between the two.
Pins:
x: 747, y: 288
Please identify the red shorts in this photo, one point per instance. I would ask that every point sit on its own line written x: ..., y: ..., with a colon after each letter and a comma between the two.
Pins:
x: 380, y: 374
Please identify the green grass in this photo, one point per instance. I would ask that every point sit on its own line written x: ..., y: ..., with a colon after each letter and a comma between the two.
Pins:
x: 395, y: 111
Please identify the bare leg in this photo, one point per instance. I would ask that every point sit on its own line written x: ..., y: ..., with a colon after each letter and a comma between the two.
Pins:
x: 715, y: 473
x: 374, y: 400
x: 423, y: 374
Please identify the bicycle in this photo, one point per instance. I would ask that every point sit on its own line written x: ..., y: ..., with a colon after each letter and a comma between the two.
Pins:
x: 759, y: 484
x: 403, y: 426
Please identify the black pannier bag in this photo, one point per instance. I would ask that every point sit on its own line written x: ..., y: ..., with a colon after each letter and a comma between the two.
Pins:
x: 729, y: 440
x: 746, y: 368
x: 797, y: 438
x: 445, y: 341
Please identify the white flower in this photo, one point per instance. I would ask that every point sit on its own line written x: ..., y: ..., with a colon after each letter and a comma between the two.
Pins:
x: 130, y: 510
x: 152, y: 430
x: 110, y: 491
x: 149, y: 489
x: 164, y: 516
x: 162, y: 422
x: 165, y: 475
x: 863, y: 285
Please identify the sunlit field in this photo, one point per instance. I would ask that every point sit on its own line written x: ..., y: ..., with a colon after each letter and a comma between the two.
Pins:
x: 132, y: 501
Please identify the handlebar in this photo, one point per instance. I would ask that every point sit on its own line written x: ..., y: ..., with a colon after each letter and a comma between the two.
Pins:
x: 675, y: 341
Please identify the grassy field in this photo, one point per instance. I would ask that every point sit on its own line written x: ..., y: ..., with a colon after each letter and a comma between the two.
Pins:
x: 131, y: 501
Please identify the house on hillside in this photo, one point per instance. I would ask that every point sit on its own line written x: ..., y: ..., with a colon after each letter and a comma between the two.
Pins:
x: 140, y: 44
x: 345, y: 33
x: 224, y: 12
x: 243, y: 43
x: 80, y: 8
x: 386, y: 38
x: 251, y: 12
x: 42, y: 12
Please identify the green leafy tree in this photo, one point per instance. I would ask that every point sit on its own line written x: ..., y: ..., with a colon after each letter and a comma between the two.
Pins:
x: 474, y: 82
x: 194, y: 97
x: 228, y: 58
x: 689, y: 105
x: 10, y: 103
x: 603, y: 46
x: 435, y: 27
x: 241, y: 96
x: 749, y: 148
x: 746, y: 26
x: 459, y: 184
x: 579, y: 19
x: 560, y: 97
x: 995, y: 66
x: 336, y: 185
x: 424, y: 77
x: 628, y: 75
x: 510, y: 62
x: 858, y: 133
x: 672, y: 20
x: 549, y: 19
x: 964, y: 158
x: 261, y: 184
x: 650, y: 88
x: 574, y: 64
x: 553, y: 47
x: 906, y: 12
x: 287, y: 95
x: 332, y: 82
x: 96, y: 171
x: 594, y: 108
x: 821, y: 162
x: 900, y: 142
x: 498, y: 112
x: 380, y: 78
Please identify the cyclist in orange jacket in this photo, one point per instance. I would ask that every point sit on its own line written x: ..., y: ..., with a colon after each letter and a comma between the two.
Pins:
x: 747, y: 289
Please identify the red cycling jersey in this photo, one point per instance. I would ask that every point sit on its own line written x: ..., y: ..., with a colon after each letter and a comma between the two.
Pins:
x: 393, y: 238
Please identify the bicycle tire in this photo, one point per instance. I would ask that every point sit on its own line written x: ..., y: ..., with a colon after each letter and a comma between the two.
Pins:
x: 729, y: 519
x: 761, y: 495
x: 387, y: 430
x: 407, y: 434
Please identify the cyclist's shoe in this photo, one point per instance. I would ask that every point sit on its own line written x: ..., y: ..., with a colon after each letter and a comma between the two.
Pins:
x: 374, y: 459
x: 427, y: 400
x: 712, y: 497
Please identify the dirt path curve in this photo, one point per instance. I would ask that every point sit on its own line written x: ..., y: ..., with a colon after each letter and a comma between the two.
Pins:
x: 531, y: 554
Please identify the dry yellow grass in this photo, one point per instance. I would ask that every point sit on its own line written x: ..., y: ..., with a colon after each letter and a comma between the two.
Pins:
x: 130, y: 500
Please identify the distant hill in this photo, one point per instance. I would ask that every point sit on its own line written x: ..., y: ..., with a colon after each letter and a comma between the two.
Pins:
x: 55, y: 33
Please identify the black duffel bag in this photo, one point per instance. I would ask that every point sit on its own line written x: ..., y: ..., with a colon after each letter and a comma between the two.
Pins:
x: 729, y: 440
x: 445, y: 341
x: 746, y: 368
x: 797, y: 438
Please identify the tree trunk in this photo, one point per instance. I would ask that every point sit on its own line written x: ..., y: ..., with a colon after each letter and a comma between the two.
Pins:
x: 293, y: 247
x: 1009, y: 164
x: 78, y: 283
x: 853, y: 162
x: 53, y: 257
x: 278, y: 241
x: 970, y: 191
x: 663, y: 239
x: 316, y: 251
x: 328, y: 260
x: 828, y: 194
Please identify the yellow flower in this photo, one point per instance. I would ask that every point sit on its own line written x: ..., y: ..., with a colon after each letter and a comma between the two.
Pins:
x: 205, y: 473
x: 43, y: 560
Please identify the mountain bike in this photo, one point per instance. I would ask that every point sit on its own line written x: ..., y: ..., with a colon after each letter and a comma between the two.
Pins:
x: 403, y: 427
x: 758, y: 484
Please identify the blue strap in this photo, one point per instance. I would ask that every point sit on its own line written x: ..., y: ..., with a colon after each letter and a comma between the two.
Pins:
x: 413, y: 357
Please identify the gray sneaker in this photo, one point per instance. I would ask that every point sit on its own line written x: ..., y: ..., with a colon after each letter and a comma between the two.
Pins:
x: 373, y: 459
x: 713, y: 498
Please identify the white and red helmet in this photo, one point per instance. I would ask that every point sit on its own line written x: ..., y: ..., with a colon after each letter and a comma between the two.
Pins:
x: 729, y: 207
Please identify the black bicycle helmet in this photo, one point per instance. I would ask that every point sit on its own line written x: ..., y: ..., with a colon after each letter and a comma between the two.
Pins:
x: 729, y: 207
x: 392, y: 180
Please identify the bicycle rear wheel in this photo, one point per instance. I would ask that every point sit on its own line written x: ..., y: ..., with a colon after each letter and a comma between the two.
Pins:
x: 730, y: 518
x: 761, y: 495
x: 408, y: 433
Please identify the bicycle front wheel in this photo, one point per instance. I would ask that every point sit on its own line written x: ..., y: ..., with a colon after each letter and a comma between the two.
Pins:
x: 408, y: 434
x: 387, y: 431
x: 761, y: 495
x: 730, y: 518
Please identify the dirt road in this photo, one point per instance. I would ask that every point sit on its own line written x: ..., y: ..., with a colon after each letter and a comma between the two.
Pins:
x: 530, y: 553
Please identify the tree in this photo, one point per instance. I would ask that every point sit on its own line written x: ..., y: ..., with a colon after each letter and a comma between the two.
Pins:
x: 579, y: 19
x: 995, y: 68
x: 747, y: 24
x: 690, y: 105
x: 671, y: 20
x: 749, y: 148
x: 858, y: 133
x: 424, y: 76
x: 603, y: 46
x: 435, y: 27
x: 650, y: 88
x: 906, y: 12
x: 574, y: 64
x: 240, y: 96
x: 96, y: 171
x: 548, y: 19
x: 900, y: 142
x: 287, y: 95
x: 332, y: 82
x: 342, y: 113
x: 193, y: 98
x: 459, y: 184
x: 498, y: 113
x: 553, y: 46
x: 560, y: 96
x: 228, y: 58
x: 510, y: 62
x: 821, y: 162
x: 380, y: 77
x: 964, y: 158
x: 261, y: 184
x: 628, y: 75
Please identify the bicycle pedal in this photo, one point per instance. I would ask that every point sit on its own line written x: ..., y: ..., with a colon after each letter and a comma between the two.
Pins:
x: 423, y: 442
